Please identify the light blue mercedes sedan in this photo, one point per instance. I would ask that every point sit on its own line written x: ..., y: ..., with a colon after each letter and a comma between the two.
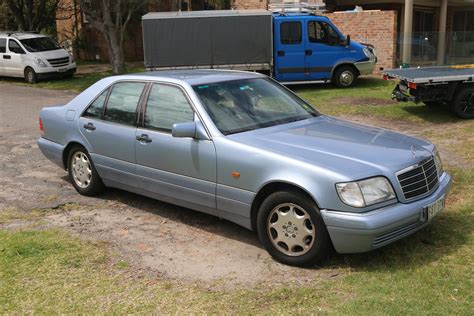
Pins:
x: 240, y: 146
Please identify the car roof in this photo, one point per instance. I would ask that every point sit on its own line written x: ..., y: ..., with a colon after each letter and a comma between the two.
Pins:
x: 196, y: 76
x: 21, y: 35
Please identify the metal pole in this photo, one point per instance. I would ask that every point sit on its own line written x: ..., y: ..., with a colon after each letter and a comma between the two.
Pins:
x: 407, y: 32
x: 442, y: 32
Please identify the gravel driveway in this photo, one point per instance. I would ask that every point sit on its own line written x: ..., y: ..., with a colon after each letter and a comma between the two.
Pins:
x: 166, y: 240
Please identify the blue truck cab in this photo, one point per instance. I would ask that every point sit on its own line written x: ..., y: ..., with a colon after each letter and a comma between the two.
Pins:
x: 310, y: 48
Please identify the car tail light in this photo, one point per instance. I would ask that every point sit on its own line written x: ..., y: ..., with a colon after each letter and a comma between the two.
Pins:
x: 385, y: 77
x: 412, y: 85
x: 41, y: 126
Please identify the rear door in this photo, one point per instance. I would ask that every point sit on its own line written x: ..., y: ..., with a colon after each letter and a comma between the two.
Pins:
x: 3, y: 51
x: 179, y: 170
x: 289, y: 47
x: 109, y: 125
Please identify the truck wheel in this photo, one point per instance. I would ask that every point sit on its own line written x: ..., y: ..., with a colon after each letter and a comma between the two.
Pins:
x: 345, y: 77
x: 463, y: 104
x: 30, y: 75
x: 292, y: 230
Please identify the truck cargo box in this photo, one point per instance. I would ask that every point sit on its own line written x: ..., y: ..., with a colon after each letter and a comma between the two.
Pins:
x: 216, y: 39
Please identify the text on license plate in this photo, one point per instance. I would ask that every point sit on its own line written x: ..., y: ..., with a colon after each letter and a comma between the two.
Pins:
x: 433, y: 209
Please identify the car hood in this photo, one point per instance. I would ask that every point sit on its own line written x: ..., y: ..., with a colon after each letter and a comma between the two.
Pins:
x: 354, y: 150
x: 51, y: 54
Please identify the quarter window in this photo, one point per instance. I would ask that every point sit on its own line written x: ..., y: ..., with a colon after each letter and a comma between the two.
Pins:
x: 3, y: 45
x: 322, y: 32
x: 123, y: 101
x: 166, y: 106
x: 290, y: 32
x: 97, y: 107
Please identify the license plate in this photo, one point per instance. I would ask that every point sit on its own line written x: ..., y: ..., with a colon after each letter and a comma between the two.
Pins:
x: 435, y: 208
x: 62, y: 70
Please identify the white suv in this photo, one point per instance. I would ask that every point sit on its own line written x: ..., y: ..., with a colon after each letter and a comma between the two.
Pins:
x: 34, y: 57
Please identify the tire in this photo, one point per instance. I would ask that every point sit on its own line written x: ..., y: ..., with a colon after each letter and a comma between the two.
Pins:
x: 304, y: 228
x: 463, y: 104
x: 30, y: 75
x: 82, y: 173
x: 345, y: 77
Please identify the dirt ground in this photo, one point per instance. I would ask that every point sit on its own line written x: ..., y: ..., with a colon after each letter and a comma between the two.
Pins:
x: 156, y: 237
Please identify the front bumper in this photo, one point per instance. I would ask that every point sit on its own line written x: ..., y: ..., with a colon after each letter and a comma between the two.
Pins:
x: 56, y: 73
x: 362, y: 232
x: 366, y: 67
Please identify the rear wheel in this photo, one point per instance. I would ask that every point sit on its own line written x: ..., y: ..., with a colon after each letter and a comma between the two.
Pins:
x: 463, y: 104
x: 345, y: 76
x: 83, y: 175
x: 30, y: 75
x: 292, y: 230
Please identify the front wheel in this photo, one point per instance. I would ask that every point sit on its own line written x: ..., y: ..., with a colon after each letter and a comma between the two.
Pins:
x: 82, y: 172
x: 30, y: 75
x: 292, y: 230
x: 345, y: 77
x: 463, y: 104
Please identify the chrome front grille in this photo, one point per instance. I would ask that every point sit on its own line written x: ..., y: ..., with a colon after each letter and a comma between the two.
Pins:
x: 59, y: 62
x: 419, y: 179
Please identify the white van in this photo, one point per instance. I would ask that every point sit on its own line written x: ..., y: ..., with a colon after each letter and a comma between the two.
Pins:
x: 34, y: 57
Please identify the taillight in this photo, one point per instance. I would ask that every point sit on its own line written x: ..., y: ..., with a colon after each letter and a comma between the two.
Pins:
x: 412, y: 85
x: 385, y: 77
x: 41, y: 126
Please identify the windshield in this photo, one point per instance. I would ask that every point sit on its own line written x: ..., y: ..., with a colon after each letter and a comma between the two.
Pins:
x: 243, y: 105
x: 39, y: 44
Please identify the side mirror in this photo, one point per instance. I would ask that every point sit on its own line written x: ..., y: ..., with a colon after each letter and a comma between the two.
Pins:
x: 348, y: 41
x: 189, y: 129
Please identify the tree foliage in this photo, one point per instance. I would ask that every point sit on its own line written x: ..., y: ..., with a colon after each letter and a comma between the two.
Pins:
x: 32, y: 15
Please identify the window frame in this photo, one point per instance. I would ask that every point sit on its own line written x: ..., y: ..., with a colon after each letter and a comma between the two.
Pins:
x: 328, y: 33
x: 145, y: 106
x: 106, y: 101
x: 301, y: 32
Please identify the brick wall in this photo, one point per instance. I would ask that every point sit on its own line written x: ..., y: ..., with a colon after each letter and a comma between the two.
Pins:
x: 248, y: 4
x: 378, y: 28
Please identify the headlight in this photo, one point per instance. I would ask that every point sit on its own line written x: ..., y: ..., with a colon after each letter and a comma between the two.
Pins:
x: 438, y: 162
x: 40, y: 62
x: 367, y: 52
x: 365, y: 192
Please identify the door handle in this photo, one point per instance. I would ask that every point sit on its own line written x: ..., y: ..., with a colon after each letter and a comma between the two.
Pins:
x: 89, y: 127
x: 143, y: 138
x: 308, y: 52
x: 281, y: 53
x: 7, y: 57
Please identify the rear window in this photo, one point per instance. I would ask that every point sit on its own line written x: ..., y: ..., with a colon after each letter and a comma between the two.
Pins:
x: 3, y: 45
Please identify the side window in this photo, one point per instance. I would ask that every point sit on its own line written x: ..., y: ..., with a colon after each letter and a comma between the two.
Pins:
x: 166, y: 106
x: 122, y: 104
x: 3, y: 45
x: 290, y: 32
x: 97, y: 107
x: 14, y: 47
x: 322, y: 32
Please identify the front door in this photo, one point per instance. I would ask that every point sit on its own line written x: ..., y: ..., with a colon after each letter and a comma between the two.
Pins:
x: 289, y: 50
x: 324, y: 49
x: 13, y: 61
x: 176, y: 170
x: 109, y: 125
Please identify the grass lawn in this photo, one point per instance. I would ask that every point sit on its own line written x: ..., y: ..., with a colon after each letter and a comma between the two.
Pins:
x: 431, y: 272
